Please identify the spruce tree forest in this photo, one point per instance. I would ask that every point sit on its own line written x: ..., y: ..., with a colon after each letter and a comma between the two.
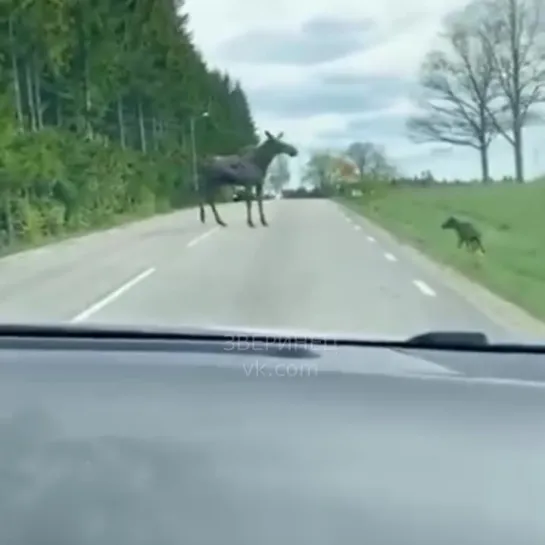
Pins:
x: 96, y: 102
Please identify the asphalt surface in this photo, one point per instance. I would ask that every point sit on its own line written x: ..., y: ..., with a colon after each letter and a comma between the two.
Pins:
x: 316, y: 267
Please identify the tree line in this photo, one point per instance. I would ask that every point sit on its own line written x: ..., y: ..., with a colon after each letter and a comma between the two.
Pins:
x: 362, y: 163
x: 486, y: 79
x: 363, y: 168
x: 97, y: 99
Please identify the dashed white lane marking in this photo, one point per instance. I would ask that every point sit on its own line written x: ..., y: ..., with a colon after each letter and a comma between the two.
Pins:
x: 357, y: 227
x: 99, y: 305
x: 370, y: 239
x: 390, y: 257
x: 201, y: 237
x: 424, y: 288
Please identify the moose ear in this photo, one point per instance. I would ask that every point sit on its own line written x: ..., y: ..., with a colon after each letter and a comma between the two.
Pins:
x: 269, y: 135
x: 280, y: 135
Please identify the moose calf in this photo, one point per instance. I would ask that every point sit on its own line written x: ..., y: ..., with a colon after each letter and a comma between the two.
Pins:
x: 467, y: 234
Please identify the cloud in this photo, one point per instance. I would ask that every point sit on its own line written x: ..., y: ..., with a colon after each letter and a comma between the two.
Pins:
x: 328, y: 73
x: 398, y: 53
x: 304, y: 132
x: 326, y: 95
x: 344, y: 78
x: 401, y: 107
x: 319, y: 40
x: 391, y: 134
x: 362, y: 130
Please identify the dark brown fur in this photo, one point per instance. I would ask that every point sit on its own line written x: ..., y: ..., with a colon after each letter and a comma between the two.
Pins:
x: 468, y: 235
x: 247, y: 170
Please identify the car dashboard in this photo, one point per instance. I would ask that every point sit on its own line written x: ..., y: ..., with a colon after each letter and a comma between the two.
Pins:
x: 118, y: 438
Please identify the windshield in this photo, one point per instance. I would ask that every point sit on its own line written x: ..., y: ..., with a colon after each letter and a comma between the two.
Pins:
x: 327, y: 167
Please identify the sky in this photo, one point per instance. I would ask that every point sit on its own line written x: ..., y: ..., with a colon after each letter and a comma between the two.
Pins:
x: 331, y: 72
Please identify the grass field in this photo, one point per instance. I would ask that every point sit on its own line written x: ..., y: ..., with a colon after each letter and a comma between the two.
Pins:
x: 510, y: 217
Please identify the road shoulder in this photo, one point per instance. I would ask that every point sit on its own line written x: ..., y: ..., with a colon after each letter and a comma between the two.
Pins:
x: 500, y: 311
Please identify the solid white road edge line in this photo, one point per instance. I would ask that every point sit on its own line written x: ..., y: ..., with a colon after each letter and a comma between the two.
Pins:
x: 424, y: 288
x: 99, y: 305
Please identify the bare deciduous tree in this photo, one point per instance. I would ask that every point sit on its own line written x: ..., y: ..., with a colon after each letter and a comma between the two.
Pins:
x: 370, y: 159
x: 458, y: 90
x: 513, y: 34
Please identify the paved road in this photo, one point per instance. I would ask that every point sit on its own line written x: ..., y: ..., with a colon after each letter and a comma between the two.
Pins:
x: 314, y: 268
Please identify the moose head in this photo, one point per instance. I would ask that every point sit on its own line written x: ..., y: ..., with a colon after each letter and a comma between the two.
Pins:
x: 279, y: 146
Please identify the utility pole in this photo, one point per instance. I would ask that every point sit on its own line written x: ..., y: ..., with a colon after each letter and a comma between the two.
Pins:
x: 193, y: 153
x: 192, y: 120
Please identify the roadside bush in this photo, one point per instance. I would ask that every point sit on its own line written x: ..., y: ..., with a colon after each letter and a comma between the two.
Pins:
x: 52, y: 183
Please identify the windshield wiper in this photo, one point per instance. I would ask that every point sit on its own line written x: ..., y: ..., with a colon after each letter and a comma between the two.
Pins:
x: 430, y: 338
x: 449, y: 338
x: 283, y: 345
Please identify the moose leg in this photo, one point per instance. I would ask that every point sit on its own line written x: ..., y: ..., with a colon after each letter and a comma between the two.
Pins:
x: 460, y: 241
x: 259, y: 192
x: 249, y: 207
x: 219, y: 221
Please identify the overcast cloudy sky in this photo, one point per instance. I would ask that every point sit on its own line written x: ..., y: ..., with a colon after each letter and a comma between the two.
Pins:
x: 329, y: 72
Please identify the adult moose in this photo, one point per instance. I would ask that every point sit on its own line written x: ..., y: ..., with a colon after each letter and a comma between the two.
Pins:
x: 248, y: 169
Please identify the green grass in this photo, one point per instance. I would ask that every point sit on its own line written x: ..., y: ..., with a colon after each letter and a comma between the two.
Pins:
x: 510, y: 217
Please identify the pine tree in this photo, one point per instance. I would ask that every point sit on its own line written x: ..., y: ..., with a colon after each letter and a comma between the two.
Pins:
x: 96, y: 97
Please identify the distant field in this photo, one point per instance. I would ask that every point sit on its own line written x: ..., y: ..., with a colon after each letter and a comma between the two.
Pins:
x: 510, y: 217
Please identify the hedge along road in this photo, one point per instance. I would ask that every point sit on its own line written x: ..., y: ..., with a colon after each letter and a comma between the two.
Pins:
x: 317, y: 267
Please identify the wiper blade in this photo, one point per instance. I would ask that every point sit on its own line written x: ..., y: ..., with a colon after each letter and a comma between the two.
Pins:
x: 449, y: 338
x: 428, y: 339
x: 86, y: 337
x: 283, y: 344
